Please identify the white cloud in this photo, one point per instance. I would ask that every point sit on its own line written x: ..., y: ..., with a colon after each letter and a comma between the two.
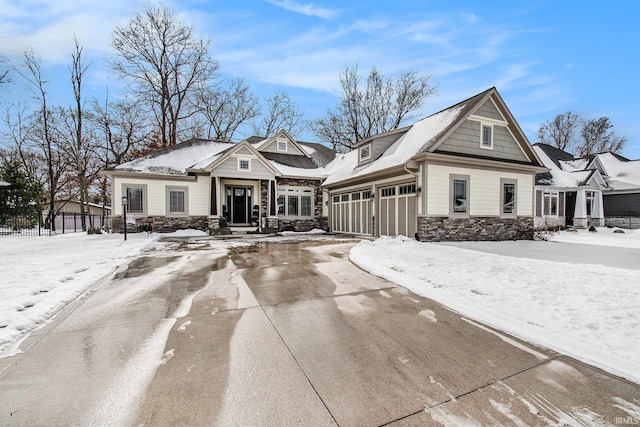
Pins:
x: 305, y: 9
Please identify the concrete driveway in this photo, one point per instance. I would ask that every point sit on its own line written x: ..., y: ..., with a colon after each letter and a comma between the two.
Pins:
x: 287, y: 333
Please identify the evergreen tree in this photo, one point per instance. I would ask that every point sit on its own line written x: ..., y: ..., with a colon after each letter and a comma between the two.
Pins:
x: 24, y: 197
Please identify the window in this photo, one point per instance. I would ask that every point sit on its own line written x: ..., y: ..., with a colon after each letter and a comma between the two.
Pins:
x: 508, y: 198
x: 177, y: 200
x: 388, y: 192
x: 591, y: 200
x: 459, y: 193
x: 282, y: 145
x: 136, y: 198
x: 407, y: 189
x: 367, y: 194
x: 296, y: 201
x: 487, y: 136
x: 244, y: 164
x: 551, y: 204
x: 365, y: 152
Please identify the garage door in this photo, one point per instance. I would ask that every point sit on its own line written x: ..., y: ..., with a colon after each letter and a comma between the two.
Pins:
x: 351, y: 212
x: 398, y: 210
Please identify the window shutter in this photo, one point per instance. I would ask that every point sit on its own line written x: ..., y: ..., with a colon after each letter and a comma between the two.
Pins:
x: 539, y: 203
x: 561, y: 203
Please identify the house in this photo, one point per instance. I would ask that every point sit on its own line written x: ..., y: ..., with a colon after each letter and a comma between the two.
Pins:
x: 464, y: 173
x: 73, y: 207
x: 598, y: 189
x: 194, y: 184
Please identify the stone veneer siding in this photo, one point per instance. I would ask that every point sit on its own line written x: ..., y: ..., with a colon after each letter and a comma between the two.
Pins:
x: 162, y: 224
x: 632, y: 222
x: 318, y: 221
x: 441, y: 229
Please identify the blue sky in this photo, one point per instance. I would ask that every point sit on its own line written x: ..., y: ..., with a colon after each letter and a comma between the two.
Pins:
x: 545, y: 57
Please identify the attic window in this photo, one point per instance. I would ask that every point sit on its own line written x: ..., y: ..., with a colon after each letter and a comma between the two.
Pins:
x: 365, y: 153
x: 244, y: 165
x: 487, y: 136
x: 282, y: 145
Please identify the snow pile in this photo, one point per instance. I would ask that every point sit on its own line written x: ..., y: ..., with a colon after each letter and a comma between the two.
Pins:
x: 603, y: 237
x: 295, y: 233
x: 40, y: 275
x: 585, y: 311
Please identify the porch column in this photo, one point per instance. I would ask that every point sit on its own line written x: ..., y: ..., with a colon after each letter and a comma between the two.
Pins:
x: 580, y: 213
x: 597, y: 216
x: 272, y: 198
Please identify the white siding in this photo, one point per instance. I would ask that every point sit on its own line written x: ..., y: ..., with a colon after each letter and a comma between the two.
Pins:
x: 156, y: 194
x: 484, y: 190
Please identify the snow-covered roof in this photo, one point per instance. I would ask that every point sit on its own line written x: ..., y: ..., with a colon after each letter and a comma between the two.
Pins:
x: 412, y: 142
x: 177, y: 159
x: 618, y: 173
x: 197, y: 154
x: 4, y: 183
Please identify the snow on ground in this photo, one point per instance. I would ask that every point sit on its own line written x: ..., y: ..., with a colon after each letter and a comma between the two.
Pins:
x: 587, y: 311
x: 40, y: 275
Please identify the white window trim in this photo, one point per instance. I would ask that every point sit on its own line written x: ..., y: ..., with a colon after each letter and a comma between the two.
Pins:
x: 299, y: 192
x: 368, y: 157
x: 513, y: 214
x: 278, y: 141
x: 466, y: 178
x: 550, y: 194
x: 168, y: 190
x: 241, y: 159
x: 482, y: 126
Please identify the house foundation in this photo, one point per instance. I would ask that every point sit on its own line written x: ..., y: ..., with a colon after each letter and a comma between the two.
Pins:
x: 441, y: 229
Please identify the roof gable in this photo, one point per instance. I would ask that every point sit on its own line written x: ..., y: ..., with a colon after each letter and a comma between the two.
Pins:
x: 241, y: 149
x: 291, y: 146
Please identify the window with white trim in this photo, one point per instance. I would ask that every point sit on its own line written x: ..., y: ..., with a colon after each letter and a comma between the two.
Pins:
x: 591, y: 200
x: 550, y: 203
x: 365, y: 153
x: 459, y: 195
x: 282, y: 145
x: 177, y: 200
x: 244, y: 164
x: 486, y: 136
x: 295, y: 201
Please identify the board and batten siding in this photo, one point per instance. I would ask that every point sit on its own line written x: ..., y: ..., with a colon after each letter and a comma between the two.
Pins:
x: 484, y: 191
x: 156, y: 198
x: 229, y: 169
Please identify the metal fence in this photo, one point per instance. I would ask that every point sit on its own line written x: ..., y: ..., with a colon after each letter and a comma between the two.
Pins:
x: 64, y: 223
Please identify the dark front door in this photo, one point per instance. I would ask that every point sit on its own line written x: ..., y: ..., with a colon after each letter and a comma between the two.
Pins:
x: 570, y: 208
x: 239, y: 202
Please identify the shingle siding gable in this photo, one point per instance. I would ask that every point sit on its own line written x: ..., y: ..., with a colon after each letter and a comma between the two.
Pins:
x: 489, y: 110
x: 466, y: 140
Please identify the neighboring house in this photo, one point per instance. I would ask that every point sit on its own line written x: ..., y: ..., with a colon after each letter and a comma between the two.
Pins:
x: 599, y: 189
x: 195, y: 183
x: 464, y: 173
x: 73, y: 206
x: 4, y: 183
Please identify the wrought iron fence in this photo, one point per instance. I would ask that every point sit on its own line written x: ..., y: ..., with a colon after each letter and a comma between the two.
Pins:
x: 63, y: 223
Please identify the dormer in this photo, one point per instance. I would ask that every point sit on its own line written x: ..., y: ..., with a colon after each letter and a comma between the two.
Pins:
x: 282, y: 143
x: 372, y: 148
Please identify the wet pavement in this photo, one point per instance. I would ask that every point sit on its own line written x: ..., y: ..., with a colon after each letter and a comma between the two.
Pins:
x: 287, y: 333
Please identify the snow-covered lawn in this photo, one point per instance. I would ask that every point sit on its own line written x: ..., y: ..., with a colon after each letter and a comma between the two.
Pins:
x: 40, y: 275
x: 588, y: 311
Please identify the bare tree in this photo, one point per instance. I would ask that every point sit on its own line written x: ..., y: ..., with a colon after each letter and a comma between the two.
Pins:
x: 79, y: 147
x: 166, y: 62
x: 42, y: 132
x: 597, y: 138
x: 226, y: 109
x: 594, y: 136
x: 281, y: 113
x: 383, y: 104
x: 561, y: 131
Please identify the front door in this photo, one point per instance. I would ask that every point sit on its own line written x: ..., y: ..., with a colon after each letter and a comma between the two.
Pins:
x: 239, y: 202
